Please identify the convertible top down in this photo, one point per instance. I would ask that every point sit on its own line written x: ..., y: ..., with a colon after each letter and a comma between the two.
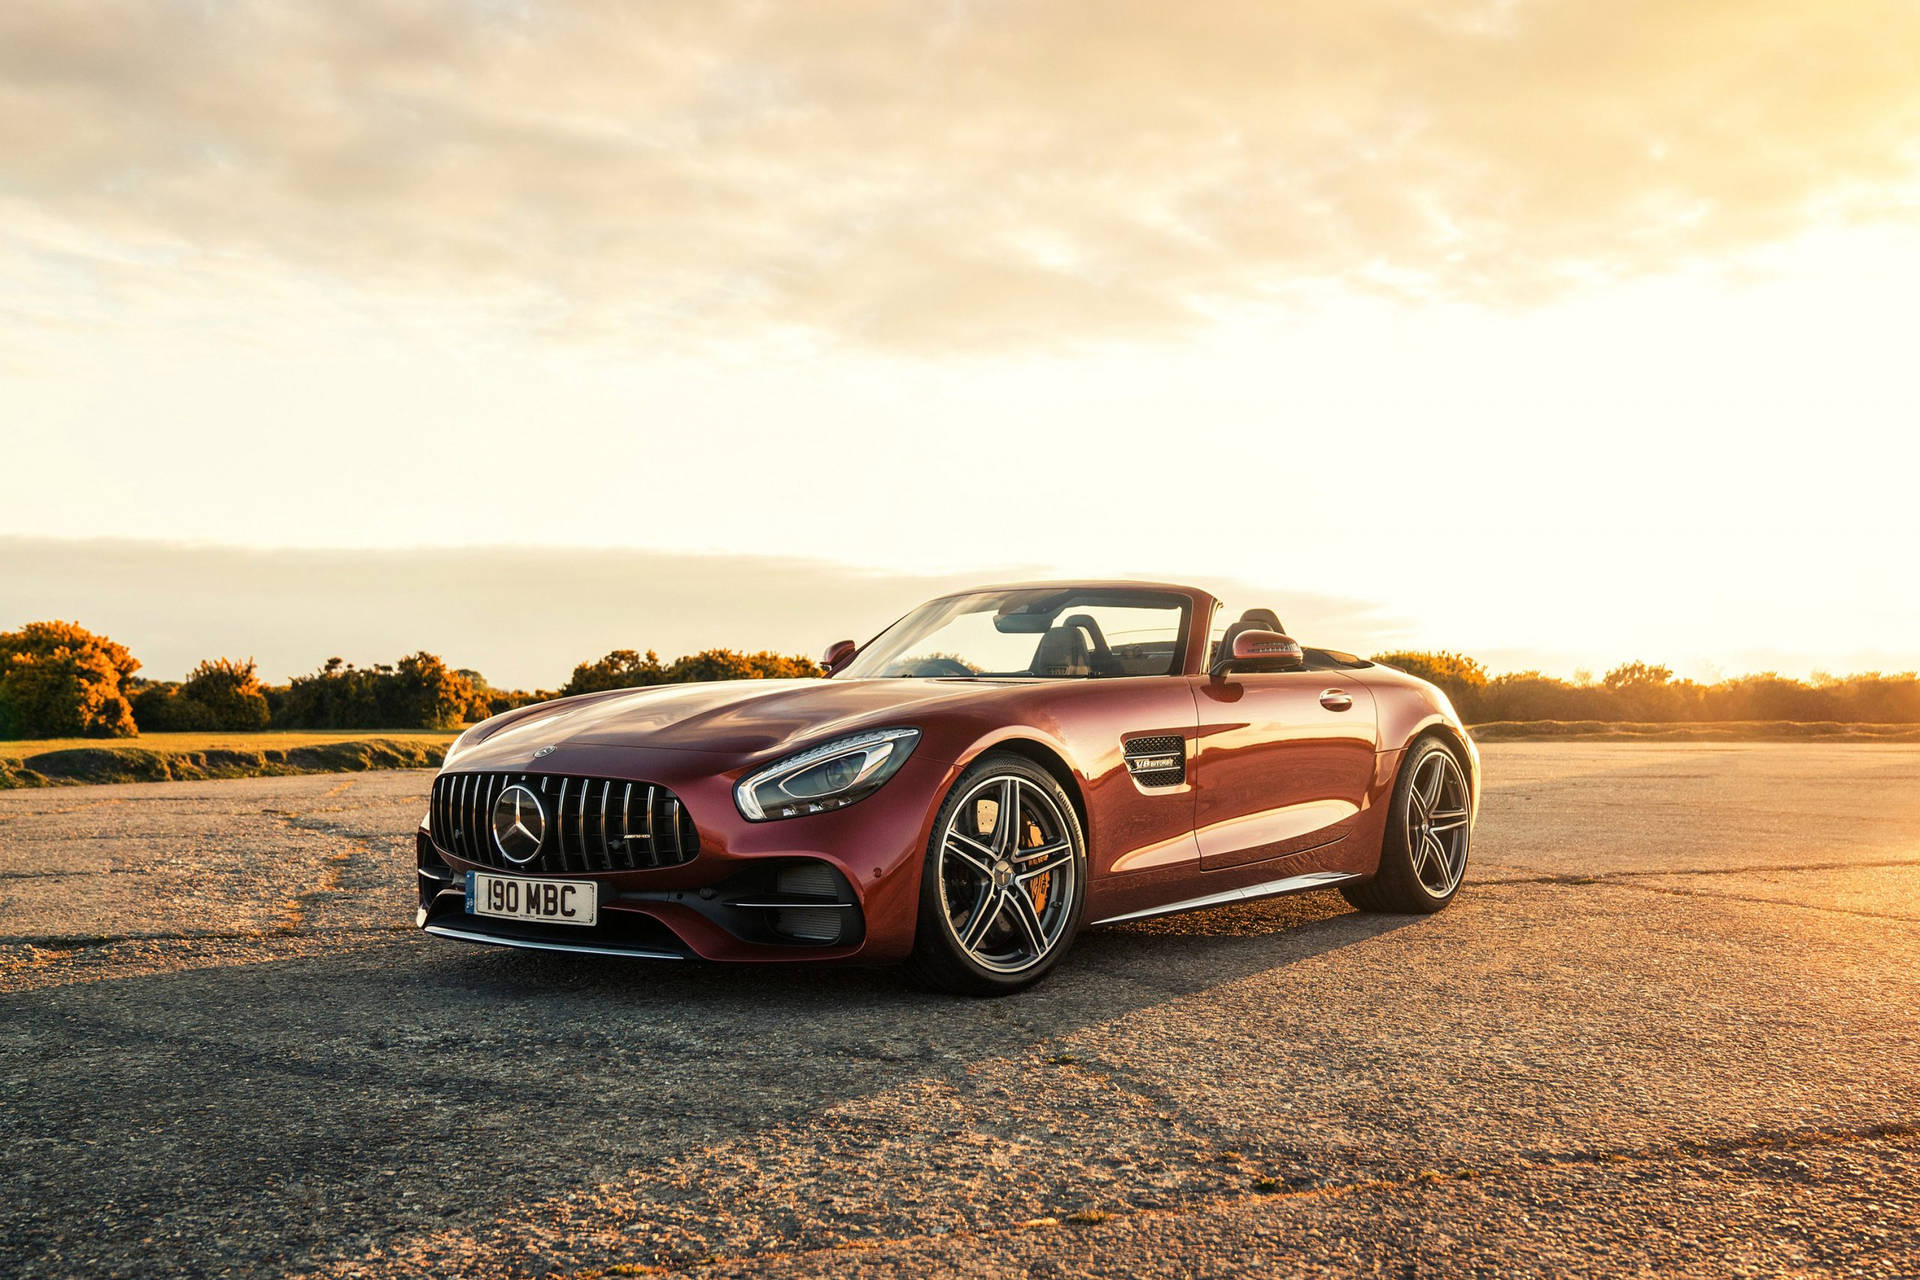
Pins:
x: 962, y: 792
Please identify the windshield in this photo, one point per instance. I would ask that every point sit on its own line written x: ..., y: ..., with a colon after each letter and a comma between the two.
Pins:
x: 1056, y: 633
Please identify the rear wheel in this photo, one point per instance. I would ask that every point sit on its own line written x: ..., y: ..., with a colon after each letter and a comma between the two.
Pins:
x: 1423, y: 856
x: 1005, y: 880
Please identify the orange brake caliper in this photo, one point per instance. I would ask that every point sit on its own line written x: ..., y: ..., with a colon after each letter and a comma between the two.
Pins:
x: 1038, y: 885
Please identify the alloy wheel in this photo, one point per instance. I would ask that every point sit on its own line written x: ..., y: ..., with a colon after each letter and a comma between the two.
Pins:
x: 1007, y: 873
x: 1437, y: 823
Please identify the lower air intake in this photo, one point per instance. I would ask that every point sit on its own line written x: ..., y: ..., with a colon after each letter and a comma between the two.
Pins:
x: 809, y: 924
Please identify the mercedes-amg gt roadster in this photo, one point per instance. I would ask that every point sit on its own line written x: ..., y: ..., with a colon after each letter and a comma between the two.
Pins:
x: 962, y: 793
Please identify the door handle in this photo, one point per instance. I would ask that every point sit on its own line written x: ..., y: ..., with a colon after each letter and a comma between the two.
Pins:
x: 1336, y: 700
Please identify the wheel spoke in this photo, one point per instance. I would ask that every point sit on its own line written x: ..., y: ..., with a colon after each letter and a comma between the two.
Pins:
x: 1431, y: 797
x: 974, y: 854
x: 1006, y: 819
x: 1058, y: 856
x: 991, y: 904
x: 1448, y: 824
x: 1029, y: 920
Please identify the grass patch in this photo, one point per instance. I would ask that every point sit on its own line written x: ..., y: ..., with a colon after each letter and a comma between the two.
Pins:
x: 185, y: 757
x: 1715, y: 731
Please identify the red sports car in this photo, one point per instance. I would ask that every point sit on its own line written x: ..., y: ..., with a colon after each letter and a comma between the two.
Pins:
x: 962, y: 793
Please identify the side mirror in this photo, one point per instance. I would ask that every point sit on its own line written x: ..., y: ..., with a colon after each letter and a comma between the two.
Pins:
x: 838, y: 655
x: 1268, y: 650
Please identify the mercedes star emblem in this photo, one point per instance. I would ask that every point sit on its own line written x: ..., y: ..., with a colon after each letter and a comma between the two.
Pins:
x: 519, y: 825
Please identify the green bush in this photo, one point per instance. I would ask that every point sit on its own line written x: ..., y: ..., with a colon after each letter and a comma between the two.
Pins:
x: 1643, y: 693
x: 418, y: 692
x: 59, y: 680
x: 156, y: 706
x: 219, y: 695
x: 627, y: 669
x: 621, y: 669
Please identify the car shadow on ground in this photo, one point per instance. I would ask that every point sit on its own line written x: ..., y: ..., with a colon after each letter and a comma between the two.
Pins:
x: 310, y: 1108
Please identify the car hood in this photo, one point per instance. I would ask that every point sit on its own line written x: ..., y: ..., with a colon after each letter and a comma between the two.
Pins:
x: 738, y: 718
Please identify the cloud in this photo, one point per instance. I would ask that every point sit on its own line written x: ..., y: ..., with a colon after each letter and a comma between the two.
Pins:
x: 938, y: 177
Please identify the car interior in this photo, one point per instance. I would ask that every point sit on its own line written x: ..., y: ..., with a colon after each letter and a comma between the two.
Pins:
x: 1076, y: 635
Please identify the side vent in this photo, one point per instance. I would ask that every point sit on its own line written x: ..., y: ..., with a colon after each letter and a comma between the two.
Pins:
x: 1157, y: 761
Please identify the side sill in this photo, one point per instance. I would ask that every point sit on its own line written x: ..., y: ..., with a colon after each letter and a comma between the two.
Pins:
x: 1291, y: 884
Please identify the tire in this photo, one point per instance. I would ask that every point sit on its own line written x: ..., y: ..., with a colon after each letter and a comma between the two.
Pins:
x: 984, y: 859
x: 1423, y: 853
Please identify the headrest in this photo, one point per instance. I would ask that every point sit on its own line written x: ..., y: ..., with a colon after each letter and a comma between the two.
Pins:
x: 1263, y: 620
x: 1061, y: 652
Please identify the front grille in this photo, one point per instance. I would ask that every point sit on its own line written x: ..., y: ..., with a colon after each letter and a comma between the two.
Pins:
x: 1159, y: 761
x: 592, y: 824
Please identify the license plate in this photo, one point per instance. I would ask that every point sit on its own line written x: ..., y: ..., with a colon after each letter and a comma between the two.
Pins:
x: 548, y: 901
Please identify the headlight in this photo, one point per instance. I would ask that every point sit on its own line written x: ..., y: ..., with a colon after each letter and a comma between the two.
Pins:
x: 831, y: 776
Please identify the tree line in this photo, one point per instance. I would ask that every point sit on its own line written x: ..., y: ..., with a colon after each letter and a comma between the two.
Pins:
x: 59, y: 680
x: 1639, y: 692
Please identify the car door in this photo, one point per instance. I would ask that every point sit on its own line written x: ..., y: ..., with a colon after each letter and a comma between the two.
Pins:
x: 1283, y: 763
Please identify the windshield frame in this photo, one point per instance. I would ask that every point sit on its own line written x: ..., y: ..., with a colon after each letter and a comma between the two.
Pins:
x: 1114, y: 594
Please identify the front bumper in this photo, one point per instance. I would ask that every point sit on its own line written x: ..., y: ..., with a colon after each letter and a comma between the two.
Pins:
x: 736, y: 900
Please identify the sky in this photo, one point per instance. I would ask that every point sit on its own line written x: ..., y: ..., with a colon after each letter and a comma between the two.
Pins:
x: 1558, y: 334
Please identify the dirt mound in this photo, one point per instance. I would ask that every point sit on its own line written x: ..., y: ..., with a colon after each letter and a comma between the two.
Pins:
x: 82, y: 765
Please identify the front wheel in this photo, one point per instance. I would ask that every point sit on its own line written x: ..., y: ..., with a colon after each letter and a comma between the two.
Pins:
x: 1004, y: 883
x: 1423, y: 856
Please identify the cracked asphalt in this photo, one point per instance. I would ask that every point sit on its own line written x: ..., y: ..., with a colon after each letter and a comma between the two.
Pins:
x: 1668, y: 1028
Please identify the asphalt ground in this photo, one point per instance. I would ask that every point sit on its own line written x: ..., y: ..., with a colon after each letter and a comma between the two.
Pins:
x: 1668, y: 1027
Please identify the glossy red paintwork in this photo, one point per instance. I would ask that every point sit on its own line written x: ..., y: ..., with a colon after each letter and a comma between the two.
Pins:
x: 1278, y: 784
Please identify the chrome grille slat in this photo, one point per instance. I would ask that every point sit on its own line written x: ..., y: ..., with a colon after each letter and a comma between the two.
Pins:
x: 580, y: 834
x: 476, y: 810
x: 579, y: 827
x: 673, y: 823
x: 479, y: 825
x: 653, y: 853
x: 457, y: 816
x: 465, y: 820
x: 486, y: 812
x: 626, y: 824
x: 606, y: 848
x: 463, y: 804
x: 482, y: 816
